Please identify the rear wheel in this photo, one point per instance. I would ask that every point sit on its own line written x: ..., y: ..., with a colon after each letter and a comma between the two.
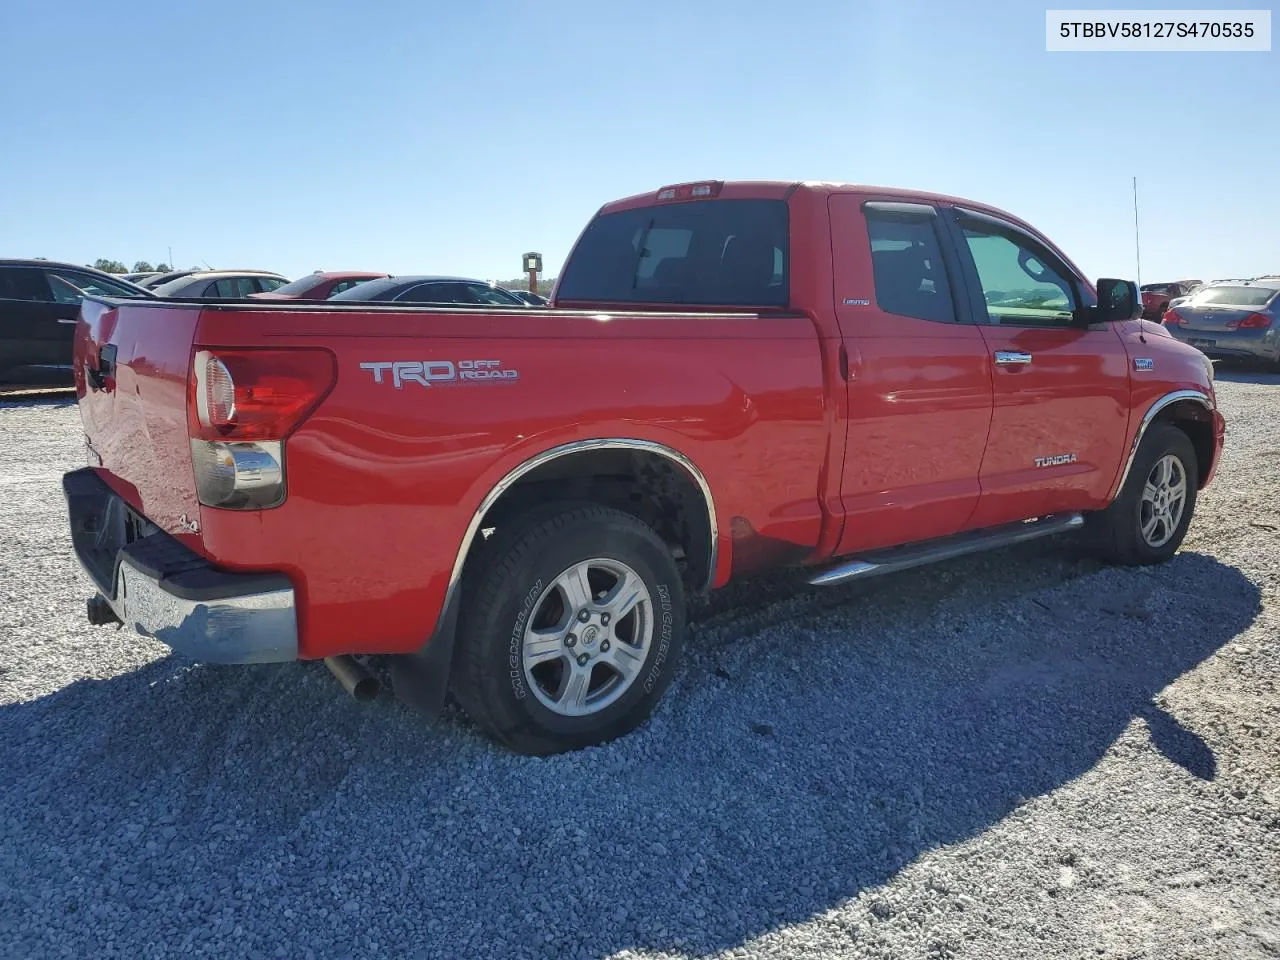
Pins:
x: 1149, y: 519
x: 571, y: 627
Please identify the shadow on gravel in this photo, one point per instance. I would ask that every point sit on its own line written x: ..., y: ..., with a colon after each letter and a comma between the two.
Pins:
x: 51, y: 399
x: 1239, y: 371
x: 810, y: 749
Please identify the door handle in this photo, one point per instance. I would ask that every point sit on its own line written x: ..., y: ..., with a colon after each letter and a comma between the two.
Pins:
x: 1011, y: 358
x: 65, y: 320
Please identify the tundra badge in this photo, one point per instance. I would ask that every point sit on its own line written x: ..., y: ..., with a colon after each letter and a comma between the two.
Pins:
x: 1143, y: 364
x: 1057, y: 461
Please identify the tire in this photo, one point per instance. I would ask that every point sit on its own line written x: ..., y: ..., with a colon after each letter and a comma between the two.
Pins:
x: 1127, y: 531
x: 528, y: 691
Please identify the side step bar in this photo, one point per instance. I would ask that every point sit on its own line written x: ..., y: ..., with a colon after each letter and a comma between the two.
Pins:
x: 917, y: 554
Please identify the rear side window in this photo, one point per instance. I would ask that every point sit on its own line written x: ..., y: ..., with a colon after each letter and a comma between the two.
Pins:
x: 23, y: 283
x: 232, y: 288
x: 704, y: 252
x: 911, y: 279
x: 268, y: 284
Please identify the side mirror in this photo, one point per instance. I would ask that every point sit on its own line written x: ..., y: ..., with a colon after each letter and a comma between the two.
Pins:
x: 1118, y: 300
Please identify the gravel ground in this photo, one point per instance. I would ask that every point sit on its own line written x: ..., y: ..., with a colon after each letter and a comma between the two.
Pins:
x: 1019, y: 755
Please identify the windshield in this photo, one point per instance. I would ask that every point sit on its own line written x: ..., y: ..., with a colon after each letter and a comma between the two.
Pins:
x: 301, y: 285
x: 1235, y: 296
x: 372, y: 290
x: 704, y: 252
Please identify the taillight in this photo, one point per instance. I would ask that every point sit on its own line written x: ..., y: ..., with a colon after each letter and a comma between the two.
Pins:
x: 1172, y: 318
x: 1254, y: 321
x: 243, y: 404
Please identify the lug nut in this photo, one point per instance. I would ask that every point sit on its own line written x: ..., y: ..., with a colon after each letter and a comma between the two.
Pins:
x: 604, y: 646
x: 584, y: 615
x: 604, y: 619
x: 582, y: 659
x: 570, y: 640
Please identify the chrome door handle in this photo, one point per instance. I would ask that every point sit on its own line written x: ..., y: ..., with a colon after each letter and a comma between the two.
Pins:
x: 1011, y: 358
x: 65, y: 320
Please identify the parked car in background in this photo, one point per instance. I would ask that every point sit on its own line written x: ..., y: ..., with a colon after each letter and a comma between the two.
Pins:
x: 453, y: 291
x: 1234, y: 319
x: 139, y: 277
x: 320, y: 285
x: 1157, y: 296
x: 153, y: 281
x: 39, y: 303
x: 532, y: 299
x: 222, y: 284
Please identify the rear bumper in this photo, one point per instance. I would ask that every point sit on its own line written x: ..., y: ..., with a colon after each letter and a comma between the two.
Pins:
x: 1258, y: 344
x: 162, y: 589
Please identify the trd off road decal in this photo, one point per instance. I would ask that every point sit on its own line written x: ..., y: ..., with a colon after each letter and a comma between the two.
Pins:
x: 435, y: 373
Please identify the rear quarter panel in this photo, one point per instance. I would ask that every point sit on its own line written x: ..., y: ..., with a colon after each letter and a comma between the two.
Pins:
x: 383, y: 482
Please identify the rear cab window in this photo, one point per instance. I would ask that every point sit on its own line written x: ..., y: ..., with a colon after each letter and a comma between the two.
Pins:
x: 700, y: 252
x: 1235, y: 296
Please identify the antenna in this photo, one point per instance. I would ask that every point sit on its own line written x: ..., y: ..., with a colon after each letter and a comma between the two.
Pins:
x: 1137, y: 248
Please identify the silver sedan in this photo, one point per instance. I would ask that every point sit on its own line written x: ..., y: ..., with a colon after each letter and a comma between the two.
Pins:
x: 1239, y: 318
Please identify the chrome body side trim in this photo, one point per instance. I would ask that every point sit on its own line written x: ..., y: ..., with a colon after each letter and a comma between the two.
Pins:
x: 565, y: 450
x: 1147, y: 419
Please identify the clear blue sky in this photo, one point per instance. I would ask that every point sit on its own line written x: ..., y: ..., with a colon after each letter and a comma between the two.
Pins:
x: 451, y: 137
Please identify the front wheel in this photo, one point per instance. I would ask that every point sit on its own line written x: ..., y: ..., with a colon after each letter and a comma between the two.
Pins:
x: 1148, y: 520
x: 570, y: 631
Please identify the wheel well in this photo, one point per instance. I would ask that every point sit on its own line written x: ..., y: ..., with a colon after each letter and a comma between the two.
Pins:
x: 649, y: 486
x: 1195, y: 420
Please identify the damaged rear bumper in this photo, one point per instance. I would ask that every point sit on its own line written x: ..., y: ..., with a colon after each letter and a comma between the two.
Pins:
x: 163, y: 589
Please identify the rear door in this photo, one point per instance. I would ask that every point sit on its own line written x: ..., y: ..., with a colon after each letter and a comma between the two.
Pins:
x: 34, y: 346
x: 918, y: 382
x: 1061, y: 389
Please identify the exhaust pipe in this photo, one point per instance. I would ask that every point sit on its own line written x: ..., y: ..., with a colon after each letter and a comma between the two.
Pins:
x: 353, y: 676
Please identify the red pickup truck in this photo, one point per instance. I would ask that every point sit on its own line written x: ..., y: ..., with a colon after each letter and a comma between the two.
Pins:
x: 517, y: 504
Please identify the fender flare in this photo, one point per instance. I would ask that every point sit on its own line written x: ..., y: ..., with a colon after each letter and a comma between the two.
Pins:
x: 1149, y: 418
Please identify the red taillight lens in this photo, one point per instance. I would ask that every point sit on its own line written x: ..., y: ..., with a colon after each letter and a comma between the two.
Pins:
x: 1172, y: 318
x: 1254, y: 321
x: 256, y: 394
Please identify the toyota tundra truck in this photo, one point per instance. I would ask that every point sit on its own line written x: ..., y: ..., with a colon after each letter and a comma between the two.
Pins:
x: 517, y: 505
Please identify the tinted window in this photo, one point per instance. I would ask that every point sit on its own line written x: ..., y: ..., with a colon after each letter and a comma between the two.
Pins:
x: 268, y: 284
x: 1236, y: 296
x: 714, y: 252
x: 437, y: 292
x: 482, y: 293
x: 231, y: 288
x: 67, y: 286
x: 911, y: 279
x: 23, y: 283
x: 1019, y: 287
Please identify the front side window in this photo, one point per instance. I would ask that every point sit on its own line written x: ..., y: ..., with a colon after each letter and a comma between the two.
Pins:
x: 268, y: 284
x: 910, y: 277
x: 1019, y: 287
x: 702, y: 252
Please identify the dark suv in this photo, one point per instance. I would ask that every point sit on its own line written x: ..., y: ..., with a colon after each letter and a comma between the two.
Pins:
x: 39, y: 303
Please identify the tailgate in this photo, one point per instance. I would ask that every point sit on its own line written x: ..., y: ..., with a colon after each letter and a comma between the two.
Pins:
x: 131, y: 370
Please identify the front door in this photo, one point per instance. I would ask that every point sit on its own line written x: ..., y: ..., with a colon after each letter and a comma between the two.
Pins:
x: 1061, y: 388
x: 919, y: 381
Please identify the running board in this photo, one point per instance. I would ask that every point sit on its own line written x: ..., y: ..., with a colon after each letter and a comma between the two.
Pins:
x: 917, y: 554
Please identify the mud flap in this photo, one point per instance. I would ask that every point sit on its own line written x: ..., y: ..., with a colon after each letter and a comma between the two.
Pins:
x: 421, y: 680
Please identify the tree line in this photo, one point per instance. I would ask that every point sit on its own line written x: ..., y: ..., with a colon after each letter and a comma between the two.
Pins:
x: 142, y: 266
